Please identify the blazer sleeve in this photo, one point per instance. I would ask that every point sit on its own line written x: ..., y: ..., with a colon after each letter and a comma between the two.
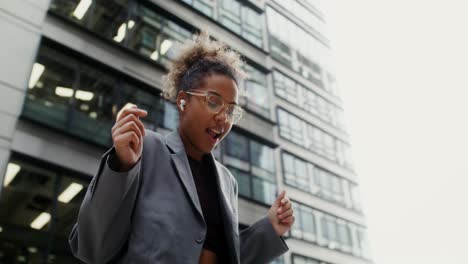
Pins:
x: 104, y: 218
x: 259, y: 243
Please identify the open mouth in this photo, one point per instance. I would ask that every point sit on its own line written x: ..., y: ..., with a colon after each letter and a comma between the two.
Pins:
x: 215, y: 134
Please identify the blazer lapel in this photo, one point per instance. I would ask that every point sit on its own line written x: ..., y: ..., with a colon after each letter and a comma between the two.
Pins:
x: 180, y: 161
x: 227, y: 209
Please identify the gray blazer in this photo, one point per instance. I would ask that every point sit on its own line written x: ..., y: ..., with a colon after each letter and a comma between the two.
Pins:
x: 151, y: 214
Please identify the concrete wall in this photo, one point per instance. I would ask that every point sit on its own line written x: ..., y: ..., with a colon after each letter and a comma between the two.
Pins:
x: 20, y: 35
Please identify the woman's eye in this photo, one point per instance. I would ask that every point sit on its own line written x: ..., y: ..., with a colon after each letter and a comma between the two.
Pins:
x: 212, y: 104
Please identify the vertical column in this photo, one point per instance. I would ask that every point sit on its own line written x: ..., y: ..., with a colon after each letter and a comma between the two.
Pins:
x: 20, y: 36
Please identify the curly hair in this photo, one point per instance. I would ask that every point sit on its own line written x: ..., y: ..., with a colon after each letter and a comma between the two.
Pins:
x: 201, y: 57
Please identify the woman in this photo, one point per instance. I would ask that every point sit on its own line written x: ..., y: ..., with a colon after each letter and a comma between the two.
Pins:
x: 165, y: 199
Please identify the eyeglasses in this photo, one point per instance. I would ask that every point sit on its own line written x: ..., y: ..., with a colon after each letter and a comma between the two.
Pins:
x: 216, y: 103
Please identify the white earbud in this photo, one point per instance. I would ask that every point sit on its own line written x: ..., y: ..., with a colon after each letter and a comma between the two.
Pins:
x: 182, y: 103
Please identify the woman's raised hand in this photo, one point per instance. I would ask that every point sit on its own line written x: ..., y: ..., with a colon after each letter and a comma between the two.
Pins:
x: 127, y: 136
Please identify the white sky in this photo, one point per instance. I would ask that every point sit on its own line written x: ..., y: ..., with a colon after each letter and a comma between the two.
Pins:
x: 401, y: 67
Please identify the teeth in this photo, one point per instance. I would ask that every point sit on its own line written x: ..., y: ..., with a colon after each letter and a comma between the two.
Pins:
x: 214, y: 133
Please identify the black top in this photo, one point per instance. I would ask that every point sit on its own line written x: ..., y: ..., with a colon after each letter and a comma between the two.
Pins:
x: 206, y: 184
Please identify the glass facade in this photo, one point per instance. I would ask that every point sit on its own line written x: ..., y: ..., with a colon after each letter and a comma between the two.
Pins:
x: 78, y: 97
x: 234, y: 15
x: 256, y: 89
x: 329, y: 231
x: 252, y: 164
x: 303, y: 13
x: 312, y: 179
x: 138, y: 27
x: 38, y: 208
x: 298, y: 50
x: 304, y: 98
x: 312, y: 138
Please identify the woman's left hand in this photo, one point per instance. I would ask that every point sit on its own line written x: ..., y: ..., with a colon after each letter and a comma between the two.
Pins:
x: 281, y: 214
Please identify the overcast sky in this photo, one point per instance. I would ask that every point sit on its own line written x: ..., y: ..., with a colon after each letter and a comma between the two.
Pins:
x: 402, y: 69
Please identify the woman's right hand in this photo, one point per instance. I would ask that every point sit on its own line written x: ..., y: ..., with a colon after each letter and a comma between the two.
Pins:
x: 127, y: 136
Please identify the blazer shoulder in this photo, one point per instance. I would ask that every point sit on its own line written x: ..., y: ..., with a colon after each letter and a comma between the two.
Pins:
x: 153, y: 138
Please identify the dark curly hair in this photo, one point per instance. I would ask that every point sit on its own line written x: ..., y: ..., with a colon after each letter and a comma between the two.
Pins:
x: 199, y: 58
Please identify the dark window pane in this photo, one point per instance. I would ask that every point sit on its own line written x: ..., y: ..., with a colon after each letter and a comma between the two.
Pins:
x: 243, y: 182
x: 263, y: 191
x: 50, y: 88
x: 26, y: 212
x: 94, y: 100
x: 237, y: 146
x: 263, y: 161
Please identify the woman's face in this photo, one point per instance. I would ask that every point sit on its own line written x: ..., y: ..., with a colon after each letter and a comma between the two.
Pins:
x: 201, y: 129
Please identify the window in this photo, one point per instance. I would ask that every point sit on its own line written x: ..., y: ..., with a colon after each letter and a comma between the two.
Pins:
x: 295, y: 48
x: 344, y: 235
x: 156, y: 37
x: 290, y: 127
x: 285, y: 87
x: 81, y: 98
x: 257, y: 91
x: 51, y: 88
x: 300, y: 96
x: 303, y: 13
x: 237, y: 146
x: 230, y: 15
x: 304, y: 227
x: 329, y: 231
x: 363, y: 243
x: 278, y: 260
x: 253, y: 166
x: 32, y: 230
x: 205, y: 6
x: 297, y: 259
x: 130, y: 24
x: 295, y: 172
x: 252, y: 25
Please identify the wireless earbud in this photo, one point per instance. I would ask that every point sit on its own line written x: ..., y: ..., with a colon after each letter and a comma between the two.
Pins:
x: 182, y: 103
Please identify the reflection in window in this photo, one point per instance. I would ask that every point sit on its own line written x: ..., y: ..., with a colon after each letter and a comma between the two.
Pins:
x: 128, y: 23
x: 155, y: 36
x: 295, y: 172
x: 81, y: 99
x: 290, y: 127
x: 300, y: 96
x: 285, y: 87
x: 317, y: 181
x: 230, y: 15
x: 51, y: 88
x: 295, y: 48
x: 252, y: 164
x: 38, y: 208
x: 304, y: 228
x: 92, y: 110
x: 304, y: 14
x: 252, y: 26
x: 257, y: 91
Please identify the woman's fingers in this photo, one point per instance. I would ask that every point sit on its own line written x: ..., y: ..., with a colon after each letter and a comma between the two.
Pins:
x: 288, y: 220
x: 284, y: 207
x: 286, y: 214
x: 127, y: 138
x: 129, y: 126
x: 128, y: 118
